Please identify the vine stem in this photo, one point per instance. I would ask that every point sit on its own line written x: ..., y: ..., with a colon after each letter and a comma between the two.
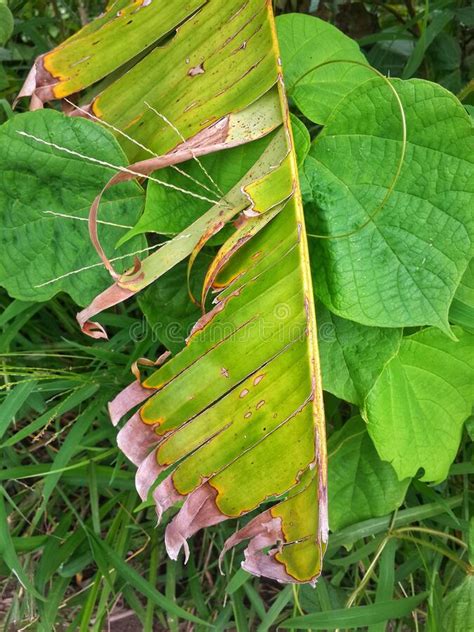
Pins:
x: 454, y: 558
x: 439, y: 534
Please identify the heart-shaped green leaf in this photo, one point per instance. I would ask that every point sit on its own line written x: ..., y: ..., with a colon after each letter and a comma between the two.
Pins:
x: 352, y: 355
x: 462, y: 307
x: 459, y: 607
x: 301, y: 137
x: 361, y: 485
x: 45, y: 196
x: 398, y: 247
x: 320, y: 64
x: 6, y: 23
x: 416, y: 408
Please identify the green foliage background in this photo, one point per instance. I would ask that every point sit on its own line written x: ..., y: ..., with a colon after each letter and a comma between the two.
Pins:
x: 71, y: 525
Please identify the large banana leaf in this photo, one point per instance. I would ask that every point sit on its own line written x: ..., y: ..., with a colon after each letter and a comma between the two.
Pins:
x: 235, y: 420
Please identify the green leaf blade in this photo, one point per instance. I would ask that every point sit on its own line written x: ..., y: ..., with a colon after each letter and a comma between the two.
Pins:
x: 320, y: 64
x: 353, y: 618
x: 45, y: 197
x: 430, y: 381
x: 361, y: 485
x: 352, y: 355
x: 394, y: 257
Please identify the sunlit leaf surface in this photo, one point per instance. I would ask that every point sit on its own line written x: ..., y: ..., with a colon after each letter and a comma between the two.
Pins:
x: 45, y: 196
x: 236, y: 417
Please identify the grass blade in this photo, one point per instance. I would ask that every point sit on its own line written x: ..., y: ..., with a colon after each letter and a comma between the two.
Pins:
x: 386, y: 583
x: 68, y: 403
x: 277, y: 606
x: 141, y: 584
x: 9, y: 555
x: 353, y: 618
x: 13, y: 402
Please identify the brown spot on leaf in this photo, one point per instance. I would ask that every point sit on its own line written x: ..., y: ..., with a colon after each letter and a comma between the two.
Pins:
x: 258, y: 379
x: 260, y: 403
x: 240, y: 221
x: 197, y: 70
x: 244, y: 392
x: 224, y: 372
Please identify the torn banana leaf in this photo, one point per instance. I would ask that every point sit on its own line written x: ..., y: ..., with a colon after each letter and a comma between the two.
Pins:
x: 214, y: 69
x: 234, y: 421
